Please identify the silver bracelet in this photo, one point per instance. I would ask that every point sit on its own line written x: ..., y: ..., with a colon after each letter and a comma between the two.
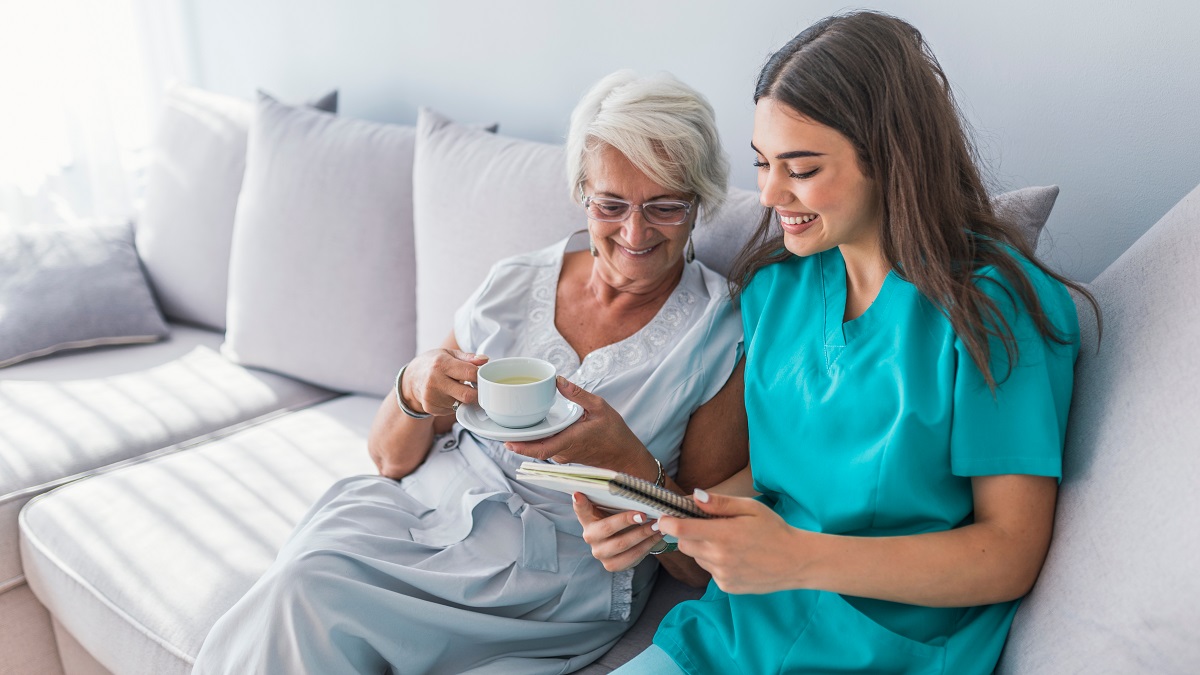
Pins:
x: 400, y: 399
x: 661, y: 480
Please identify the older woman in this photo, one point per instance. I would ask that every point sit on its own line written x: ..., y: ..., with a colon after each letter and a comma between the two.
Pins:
x: 445, y: 563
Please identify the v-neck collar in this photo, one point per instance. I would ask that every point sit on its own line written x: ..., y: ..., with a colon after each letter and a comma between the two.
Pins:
x: 647, y: 341
x: 839, y: 333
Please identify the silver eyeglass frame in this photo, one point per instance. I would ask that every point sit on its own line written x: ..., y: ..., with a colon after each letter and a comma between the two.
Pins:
x: 587, y: 201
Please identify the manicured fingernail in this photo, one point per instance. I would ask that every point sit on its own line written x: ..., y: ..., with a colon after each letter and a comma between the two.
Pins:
x: 700, y: 495
x: 575, y: 498
x: 654, y: 526
x: 639, y: 518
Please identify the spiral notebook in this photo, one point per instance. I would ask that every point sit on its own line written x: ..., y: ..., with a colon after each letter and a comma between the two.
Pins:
x: 610, y: 489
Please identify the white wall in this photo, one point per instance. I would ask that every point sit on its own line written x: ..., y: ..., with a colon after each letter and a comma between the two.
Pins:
x: 1097, y: 97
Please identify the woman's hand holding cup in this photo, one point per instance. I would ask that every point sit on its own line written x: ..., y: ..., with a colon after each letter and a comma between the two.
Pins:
x: 435, y: 382
x: 600, y: 438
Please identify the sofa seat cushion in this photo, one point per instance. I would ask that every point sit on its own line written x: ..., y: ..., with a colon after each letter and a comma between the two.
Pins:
x: 105, y: 361
x: 56, y: 429
x: 138, y: 564
x: 1119, y: 585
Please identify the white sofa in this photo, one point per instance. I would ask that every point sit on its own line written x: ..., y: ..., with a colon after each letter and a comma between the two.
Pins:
x: 157, y: 481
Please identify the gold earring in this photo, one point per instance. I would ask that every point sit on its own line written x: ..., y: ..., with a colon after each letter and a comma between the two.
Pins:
x: 592, y: 246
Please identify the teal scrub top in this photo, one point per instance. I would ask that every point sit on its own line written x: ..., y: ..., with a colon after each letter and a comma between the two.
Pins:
x: 874, y: 427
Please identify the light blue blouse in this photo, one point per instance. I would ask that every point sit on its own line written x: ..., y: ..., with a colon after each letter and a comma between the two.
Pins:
x: 874, y: 427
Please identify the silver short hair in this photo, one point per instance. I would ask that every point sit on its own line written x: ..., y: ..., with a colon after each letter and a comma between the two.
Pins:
x: 664, y: 127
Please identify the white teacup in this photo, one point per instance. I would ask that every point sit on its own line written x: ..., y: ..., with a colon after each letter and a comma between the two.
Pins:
x: 516, y: 392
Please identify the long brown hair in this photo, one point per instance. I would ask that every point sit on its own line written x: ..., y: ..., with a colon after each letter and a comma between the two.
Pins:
x: 873, y: 78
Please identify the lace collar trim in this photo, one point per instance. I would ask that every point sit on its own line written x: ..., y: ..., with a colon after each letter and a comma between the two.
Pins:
x: 544, y: 341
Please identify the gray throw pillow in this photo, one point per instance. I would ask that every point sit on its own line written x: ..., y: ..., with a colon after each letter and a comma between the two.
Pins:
x: 71, y: 287
x: 719, y: 236
x: 1027, y: 209
x: 195, y: 174
x: 321, y: 272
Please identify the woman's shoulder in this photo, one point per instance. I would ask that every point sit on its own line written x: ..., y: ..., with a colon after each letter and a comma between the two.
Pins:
x: 1052, y: 294
x: 787, y: 272
x: 699, y: 277
x: 522, y: 268
x: 547, y: 256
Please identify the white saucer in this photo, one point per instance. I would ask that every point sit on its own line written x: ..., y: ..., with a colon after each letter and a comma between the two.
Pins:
x: 562, y: 415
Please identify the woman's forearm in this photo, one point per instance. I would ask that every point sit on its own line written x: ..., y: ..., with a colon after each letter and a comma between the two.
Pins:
x: 398, y: 444
x: 967, y: 566
x: 995, y: 559
x: 740, y: 484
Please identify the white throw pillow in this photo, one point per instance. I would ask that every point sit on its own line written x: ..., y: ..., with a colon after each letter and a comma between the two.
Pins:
x: 479, y: 197
x: 321, y: 272
x: 183, y: 233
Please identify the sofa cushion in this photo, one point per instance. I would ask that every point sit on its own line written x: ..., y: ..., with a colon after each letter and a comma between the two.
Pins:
x: 138, y: 564
x: 139, y: 591
x: 321, y: 278
x: 55, y: 431
x: 106, y: 361
x: 72, y: 287
x: 462, y: 172
x: 195, y: 173
x: 1119, y: 585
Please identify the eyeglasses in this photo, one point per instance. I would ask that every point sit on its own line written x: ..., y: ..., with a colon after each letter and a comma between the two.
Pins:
x: 658, y: 212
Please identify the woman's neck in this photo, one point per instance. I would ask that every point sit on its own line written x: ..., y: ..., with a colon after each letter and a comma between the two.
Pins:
x: 866, y: 270
x: 630, y: 296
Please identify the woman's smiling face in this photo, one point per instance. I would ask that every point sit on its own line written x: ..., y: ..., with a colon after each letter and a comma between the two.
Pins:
x: 633, y: 254
x: 809, y: 174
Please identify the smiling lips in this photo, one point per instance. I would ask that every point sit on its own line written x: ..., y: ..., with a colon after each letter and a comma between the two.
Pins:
x: 796, y: 224
x: 637, y: 253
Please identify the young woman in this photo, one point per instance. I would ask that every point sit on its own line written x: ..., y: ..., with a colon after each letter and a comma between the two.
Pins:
x: 907, y: 380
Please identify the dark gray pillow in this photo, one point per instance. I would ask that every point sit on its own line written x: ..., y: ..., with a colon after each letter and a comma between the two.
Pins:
x: 71, y: 287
